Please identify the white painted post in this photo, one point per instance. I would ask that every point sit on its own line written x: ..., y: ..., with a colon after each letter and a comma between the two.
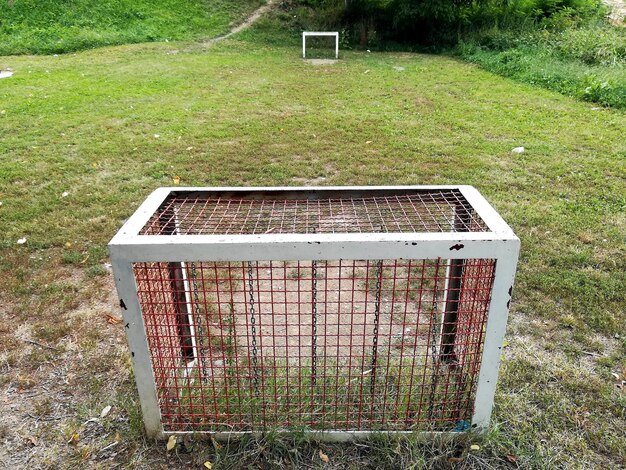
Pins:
x: 336, y: 45
x: 303, y: 45
x: 137, y: 343
x: 494, y: 336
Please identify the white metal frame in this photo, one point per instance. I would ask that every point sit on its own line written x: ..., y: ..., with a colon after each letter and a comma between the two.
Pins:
x: 306, y: 34
x: 128, y: 247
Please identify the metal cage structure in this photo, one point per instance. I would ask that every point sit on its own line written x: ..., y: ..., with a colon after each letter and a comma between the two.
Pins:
x: 339, y: 311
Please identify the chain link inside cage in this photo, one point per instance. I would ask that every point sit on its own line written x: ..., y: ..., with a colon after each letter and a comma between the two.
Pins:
x: 341, y: 345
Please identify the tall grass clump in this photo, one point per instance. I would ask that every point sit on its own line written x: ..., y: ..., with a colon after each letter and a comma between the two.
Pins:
x: 579, y: 55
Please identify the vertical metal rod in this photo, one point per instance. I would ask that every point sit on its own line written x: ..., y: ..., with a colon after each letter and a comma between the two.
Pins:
x: 436, y: 363
x: 177, y: 284
x: 199, y: 311
x: 314, y: 322
x: 453, y: 294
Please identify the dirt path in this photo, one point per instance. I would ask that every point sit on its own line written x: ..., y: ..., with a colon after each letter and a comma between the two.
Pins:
x: 246, y: 24
x: 618, y: 11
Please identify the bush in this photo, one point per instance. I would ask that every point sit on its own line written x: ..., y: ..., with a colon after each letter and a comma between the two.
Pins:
x: 538, y: 62
x: 600, y: 46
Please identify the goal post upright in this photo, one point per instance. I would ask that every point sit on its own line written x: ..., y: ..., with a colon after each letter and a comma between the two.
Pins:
x: 334, y: 34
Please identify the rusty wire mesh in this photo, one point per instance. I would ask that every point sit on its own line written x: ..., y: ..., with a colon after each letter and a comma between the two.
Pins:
x: 325, y: 345
x: 204, y: 214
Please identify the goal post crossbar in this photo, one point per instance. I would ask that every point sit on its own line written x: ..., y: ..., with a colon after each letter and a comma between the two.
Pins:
x: 306, y: 34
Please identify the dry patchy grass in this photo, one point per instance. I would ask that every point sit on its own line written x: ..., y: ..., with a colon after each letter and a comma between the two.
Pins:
x: 249, y: 112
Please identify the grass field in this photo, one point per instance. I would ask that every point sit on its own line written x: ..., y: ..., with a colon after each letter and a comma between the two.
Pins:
x: 585, y: 60
x: 85, y: 137
x: 53, y: 26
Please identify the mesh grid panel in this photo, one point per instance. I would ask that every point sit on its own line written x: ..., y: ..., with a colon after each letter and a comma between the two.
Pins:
x: 425, y: 211
x: 332, y: 345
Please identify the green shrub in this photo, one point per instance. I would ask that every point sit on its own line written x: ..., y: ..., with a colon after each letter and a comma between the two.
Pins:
x: 540, y: 62
x: 603, y: 45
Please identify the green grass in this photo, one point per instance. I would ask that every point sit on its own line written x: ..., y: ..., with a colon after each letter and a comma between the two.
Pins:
x: 250, y: 112
x: 48, y: 27
x: 586, y: 60
x: 340, y: 394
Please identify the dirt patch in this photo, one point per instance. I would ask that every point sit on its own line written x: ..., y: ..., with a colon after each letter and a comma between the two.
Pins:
x: 47, y: 394
x: 309, y: 181
x: 617, y: 14
x: 321, y: 61
x: 253, y: 18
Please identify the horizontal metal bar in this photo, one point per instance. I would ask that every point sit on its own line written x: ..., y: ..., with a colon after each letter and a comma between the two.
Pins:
x: 259, y: 248
x: 312, y: 238
x: 319, y: 33
x: 326, y: 436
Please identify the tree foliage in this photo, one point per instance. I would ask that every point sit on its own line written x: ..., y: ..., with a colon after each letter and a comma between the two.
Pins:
x: 435, y: 21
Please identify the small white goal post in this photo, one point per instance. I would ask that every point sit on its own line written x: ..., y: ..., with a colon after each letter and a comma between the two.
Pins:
x: 306, y: 34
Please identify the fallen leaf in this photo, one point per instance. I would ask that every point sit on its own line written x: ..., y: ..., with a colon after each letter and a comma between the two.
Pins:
x: 368, y: 142
x: 475, y: 447
x: 189, y: 148
x: 68, y: 244
x: 65, y: 194
x: 32, y: 440
x: 118, y: 438
x: 454, y: 460
x: 511, y: 458
x: 324, y: 457
x: 176, y: 179
x: 74, y: 439
x: 208, y: 465
x: 615, y: 376
x: 216, y: 444
x: 156, y: 136
x: 113, y: 320
x: 505, y: 344
x: 21, y: 241
x: 171, y: 443
x: 105, y: 411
